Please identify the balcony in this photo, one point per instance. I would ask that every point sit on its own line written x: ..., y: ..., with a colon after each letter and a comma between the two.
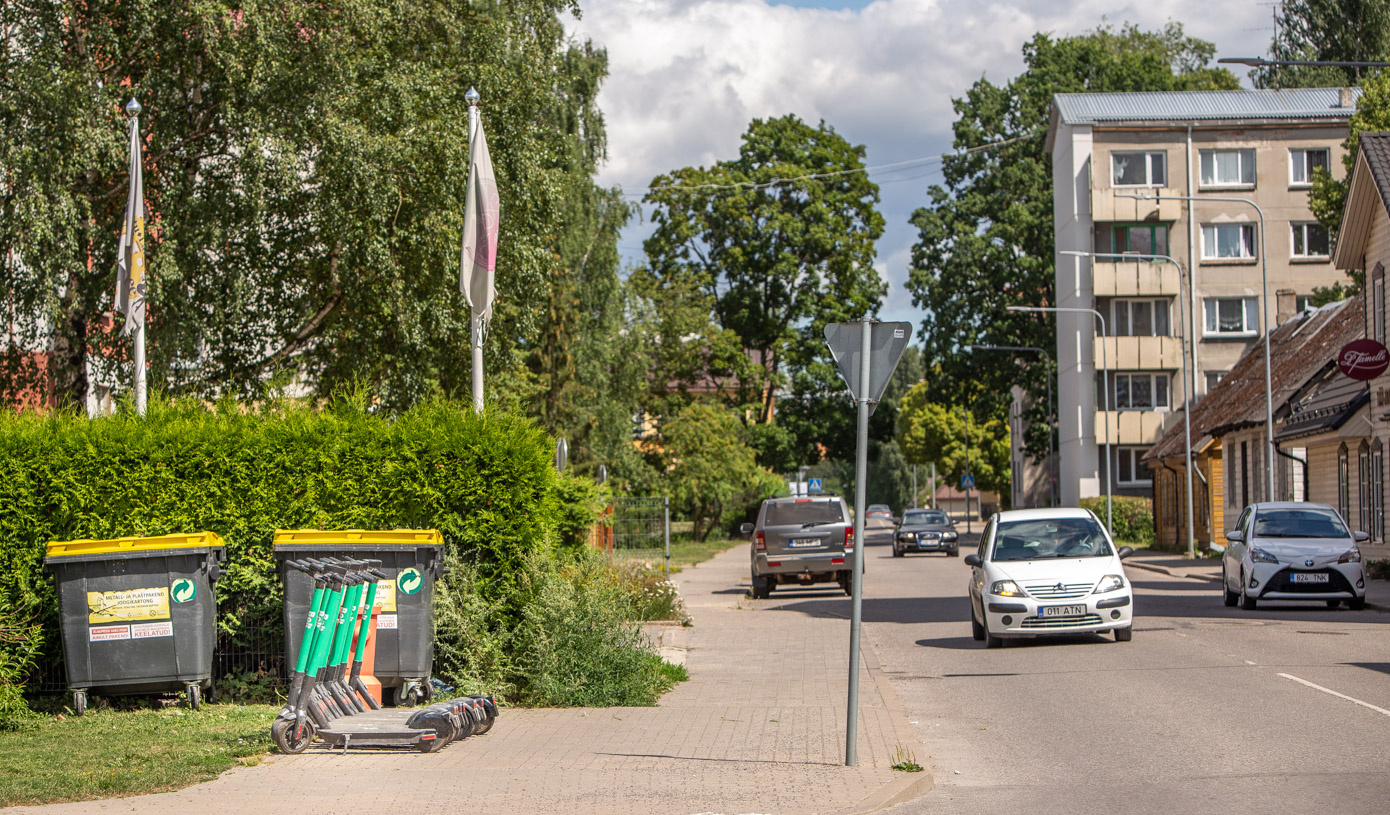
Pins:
x: 1107, y: 206
x: 1138, y: 353
x: 1134, y: 278
x: 1130, y: 427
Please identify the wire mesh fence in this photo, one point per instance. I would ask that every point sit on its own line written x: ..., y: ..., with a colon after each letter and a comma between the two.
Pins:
x: 639, y: 528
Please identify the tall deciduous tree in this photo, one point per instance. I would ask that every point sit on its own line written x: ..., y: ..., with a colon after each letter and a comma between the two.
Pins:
x: 985, y: 241
x: 933, y: 432
x: 1326, y: 31
x: 710, y: 469
x: 780, y: 241
x: 305, y: 173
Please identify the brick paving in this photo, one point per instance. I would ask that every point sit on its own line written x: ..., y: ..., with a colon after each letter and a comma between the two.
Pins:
x: 758, y: 728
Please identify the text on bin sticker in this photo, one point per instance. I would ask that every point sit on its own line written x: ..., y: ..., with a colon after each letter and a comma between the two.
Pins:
x: 128, y: 604
x: 140, y: 631
x: 386, y: 595
x: 386, y: 622
x: 106, y: 633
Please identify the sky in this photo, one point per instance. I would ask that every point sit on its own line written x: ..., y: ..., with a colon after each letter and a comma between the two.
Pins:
x: 687, y: 76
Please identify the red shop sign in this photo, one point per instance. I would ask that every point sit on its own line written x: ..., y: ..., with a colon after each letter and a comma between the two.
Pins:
x: 1363, y: 359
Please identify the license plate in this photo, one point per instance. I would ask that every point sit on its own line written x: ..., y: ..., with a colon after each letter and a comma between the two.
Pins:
x: 1311, y: 577
x: 799, y: 543
x: 1062, y: 611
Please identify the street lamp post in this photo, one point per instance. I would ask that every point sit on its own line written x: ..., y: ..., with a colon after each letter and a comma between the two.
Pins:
x: 1051, y: 409
x: 1268, y: 330
x: 1104, y: 386
x: 1189, y: 384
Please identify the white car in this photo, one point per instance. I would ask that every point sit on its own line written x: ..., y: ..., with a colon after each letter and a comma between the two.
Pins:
x: 1048, y: 571
x: 1293, y: 550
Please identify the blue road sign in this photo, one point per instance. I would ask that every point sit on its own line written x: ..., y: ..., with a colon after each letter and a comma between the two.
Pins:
x: 967, y: 482
x: 813, y: 485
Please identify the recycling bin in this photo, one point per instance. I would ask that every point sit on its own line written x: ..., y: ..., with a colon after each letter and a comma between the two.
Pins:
x: 138, y: 614
x: 412, y: 560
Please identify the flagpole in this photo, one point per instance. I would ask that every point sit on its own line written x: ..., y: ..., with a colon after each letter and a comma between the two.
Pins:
x: 475, y: 316
x: 132, y: 110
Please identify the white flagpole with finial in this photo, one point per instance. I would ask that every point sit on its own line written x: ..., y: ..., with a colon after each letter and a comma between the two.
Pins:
x: 475, y: 314
x: 482, y: 212
x: 132, y: 110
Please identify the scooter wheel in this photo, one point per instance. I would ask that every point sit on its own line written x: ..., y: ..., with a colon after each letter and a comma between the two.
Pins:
x: 283, y: 733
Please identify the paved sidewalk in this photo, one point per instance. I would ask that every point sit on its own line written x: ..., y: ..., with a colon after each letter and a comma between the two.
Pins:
x: 1209, y: 569
x: 759, y: 728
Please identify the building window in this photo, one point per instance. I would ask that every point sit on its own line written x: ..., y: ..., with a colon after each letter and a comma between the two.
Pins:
x: 1228, y: 241
x: 1140, y: 318
x: 1140, y: 391
x: 1363, y: 504
x: 1303, y: 302
x: 1232, y: 316
x: 1139, y: 169
x: 1310, y: 241
x: 1343, y: 483
x: 1245, y: 474
x: 1214, y: 378
x: 1131, y: 471
x: 1228, y: 168
x: 1303, y: 161
x: 1377, y: 530
x: 1132, y: 239
x: 1378, y: 303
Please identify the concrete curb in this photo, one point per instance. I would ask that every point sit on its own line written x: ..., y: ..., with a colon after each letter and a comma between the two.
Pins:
x: 1149, y: 567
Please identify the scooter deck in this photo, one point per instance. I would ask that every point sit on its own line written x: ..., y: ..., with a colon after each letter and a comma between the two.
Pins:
x: 374, y: 728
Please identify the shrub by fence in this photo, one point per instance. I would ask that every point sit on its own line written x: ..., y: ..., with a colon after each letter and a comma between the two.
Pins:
x: 1134, y: 517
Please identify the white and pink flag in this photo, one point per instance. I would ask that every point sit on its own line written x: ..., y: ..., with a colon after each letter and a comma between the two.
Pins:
x: 482, y: 210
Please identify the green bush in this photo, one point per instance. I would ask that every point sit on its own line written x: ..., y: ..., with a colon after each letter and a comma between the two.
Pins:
x: 1134, y: 518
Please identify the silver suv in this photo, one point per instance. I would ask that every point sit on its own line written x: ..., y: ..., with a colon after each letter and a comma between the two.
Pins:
x: 801, y: 541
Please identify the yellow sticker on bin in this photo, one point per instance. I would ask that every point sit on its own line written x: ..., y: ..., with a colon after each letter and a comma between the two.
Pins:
x: 386, y: 596
x: 128, y: 604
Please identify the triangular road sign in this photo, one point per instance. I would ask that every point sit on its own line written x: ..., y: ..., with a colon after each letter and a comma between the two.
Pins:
x: 887, y: 341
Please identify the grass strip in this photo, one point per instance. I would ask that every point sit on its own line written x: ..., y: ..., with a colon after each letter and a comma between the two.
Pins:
x: 116, y: 753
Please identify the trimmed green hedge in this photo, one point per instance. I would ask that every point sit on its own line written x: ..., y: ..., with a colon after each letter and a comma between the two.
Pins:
x: 1134, y: 517
x: 486, y: 482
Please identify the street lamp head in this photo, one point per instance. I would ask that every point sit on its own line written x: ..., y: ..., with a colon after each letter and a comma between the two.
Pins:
x: 1253, y: 62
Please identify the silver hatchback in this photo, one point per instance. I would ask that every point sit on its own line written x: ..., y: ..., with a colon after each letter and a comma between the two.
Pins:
x: 801, y: 541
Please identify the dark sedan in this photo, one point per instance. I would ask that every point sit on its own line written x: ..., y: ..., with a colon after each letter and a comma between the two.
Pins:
x: 925, y: 530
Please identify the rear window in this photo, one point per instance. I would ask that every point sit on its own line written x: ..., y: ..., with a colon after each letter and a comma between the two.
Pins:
x: 817, y: 512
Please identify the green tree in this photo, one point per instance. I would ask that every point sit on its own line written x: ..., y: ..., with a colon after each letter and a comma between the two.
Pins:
x: 780, y: 241
x: 305, y: 173
x: 985, y: 240
x: 933, y: 431
x: 1326, y: 31
x: 711, y: 470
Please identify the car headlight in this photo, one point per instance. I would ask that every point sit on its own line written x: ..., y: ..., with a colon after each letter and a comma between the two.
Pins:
x: 907, y: 536
x: 949, y: 536
x: 1352, y: 555
x: 1261, y: 556
x: 1006, y: 588
x: 1111, y: 582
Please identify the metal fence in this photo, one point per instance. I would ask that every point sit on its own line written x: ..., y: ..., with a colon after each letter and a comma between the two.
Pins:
x: 640, y: 528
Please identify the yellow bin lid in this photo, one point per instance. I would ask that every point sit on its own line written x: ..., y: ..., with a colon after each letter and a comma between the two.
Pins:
x: 348, y: 537
x: 132, y: 545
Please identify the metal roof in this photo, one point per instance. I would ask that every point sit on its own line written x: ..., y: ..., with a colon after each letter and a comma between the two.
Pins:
x: 1185, y: 106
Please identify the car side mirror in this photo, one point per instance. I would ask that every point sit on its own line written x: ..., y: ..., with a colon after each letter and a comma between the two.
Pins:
x: 1124, y: 552
x: 745, y: 529
x: 1235, y: 535
x: 1359, y: 537
x: 972, y: 559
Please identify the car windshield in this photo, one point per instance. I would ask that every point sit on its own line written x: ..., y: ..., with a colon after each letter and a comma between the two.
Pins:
x: 924, y: 518
x: 804, y: 511
x: 1299, y: 523
x: 1050, y: 538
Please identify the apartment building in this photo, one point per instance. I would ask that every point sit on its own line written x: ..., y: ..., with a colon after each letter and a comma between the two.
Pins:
x: 1124, y: 168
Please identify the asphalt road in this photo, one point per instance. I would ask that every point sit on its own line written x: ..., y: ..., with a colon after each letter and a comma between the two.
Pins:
x: 1208, y: 710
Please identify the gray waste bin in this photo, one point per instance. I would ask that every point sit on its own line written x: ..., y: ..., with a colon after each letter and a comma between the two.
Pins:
x: 138, y: 614
x: 411, y: 559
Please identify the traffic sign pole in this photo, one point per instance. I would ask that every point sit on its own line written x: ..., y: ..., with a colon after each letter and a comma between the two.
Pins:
x: 861, y: 475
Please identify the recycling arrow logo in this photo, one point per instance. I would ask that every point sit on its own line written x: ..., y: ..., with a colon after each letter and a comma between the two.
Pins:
x: 183, y: 590
x: 410, y: 581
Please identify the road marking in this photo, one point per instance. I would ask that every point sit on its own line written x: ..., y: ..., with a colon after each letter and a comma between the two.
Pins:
x: 1248, y: 662
x: 1379, y: 710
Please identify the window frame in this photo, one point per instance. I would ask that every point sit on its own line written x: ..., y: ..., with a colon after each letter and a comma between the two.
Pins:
x: 1154, y: 378
x: 1377, y: 310
x: 1134, y: 454
x: 1302, y: 152
x: 1249, y: 329
x: 1248, y: 236
x: 1202, y: 155
x: 1128, y: 304
x: 1294, y: 228
x: 1344, y: 482
x: 1148, y: 156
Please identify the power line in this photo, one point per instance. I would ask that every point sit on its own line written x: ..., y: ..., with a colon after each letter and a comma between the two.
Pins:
x: 920, y: 161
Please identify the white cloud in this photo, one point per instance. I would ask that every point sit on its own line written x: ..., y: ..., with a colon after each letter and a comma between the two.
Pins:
x: 686, y: 76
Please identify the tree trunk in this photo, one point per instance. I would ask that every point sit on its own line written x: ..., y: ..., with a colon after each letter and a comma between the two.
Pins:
x: 68, y: 363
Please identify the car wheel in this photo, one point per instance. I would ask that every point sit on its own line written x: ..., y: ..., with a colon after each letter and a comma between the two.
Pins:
x: 897, y: 552
x: 991, y: 641
x: 846, y: 581
x: 1333, y: 603
x: 1124, y: 634
x: 1246, y: 601
x: 762, y: 587
x: 1228, y: 597
x: 1356, y: 604
x: 976, y: 630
